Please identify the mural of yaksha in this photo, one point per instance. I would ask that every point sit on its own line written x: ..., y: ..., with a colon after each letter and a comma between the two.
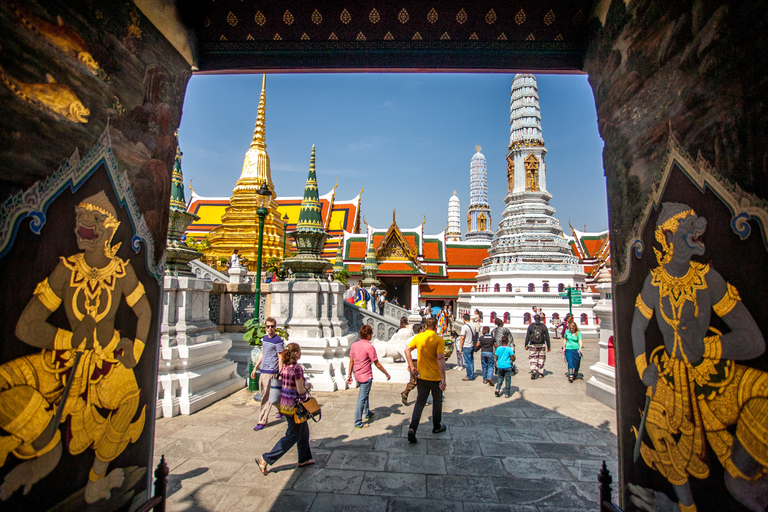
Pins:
x: 83, y: 374
x: 698, y: 394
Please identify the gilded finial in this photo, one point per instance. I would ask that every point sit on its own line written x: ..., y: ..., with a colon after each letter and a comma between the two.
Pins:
x: 425, y: 221
x: 454, y: 191
x: 393, y: 215
x: 259, y: 132
x: 478, y: 148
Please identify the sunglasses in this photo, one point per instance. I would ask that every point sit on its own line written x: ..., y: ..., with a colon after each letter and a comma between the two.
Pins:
x: 271, y: 326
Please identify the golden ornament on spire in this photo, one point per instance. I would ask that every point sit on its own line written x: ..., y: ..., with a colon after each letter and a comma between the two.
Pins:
x: 478, y: 148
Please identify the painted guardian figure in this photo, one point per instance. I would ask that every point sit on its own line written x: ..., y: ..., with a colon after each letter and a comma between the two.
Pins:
x: 84, y: 374
x: 698, y: 393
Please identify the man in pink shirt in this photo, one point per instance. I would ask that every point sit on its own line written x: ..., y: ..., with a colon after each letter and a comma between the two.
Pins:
x: 361, y: 356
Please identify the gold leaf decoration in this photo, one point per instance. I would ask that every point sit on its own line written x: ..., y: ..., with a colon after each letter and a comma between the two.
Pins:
x: 549, y: 18
x: 288, y: 18
x: 578, y: 17
x: 317, y: 18
x: 207, y: 22
x: 559, y: 37
x: 231, y: 18
x: 530, y: 37
x: 388, y: 37
x: 416, y: 37
x: 461, y: 17
x: 222, y: 38
x: 345, y: 17
x: 249, y: 38
x: 432, y: 15
x: 259, y: 19
x: 374, y: 16
x: 402, y: 16
x: 445, y: 37
x: 473, y: 37
x: 361, y: 37
x: 304, y: 37
x: 277, y: 37
x: 333, y: 37
x: 520, y: 17
x: 502, y: 37
x: 490, y: 18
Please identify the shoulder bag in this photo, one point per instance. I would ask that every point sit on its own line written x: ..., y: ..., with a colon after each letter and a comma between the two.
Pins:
x: 306, y: 410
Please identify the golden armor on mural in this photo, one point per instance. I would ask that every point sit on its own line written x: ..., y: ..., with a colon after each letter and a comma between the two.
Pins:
x: 697, y: 395
x: 83, y: 376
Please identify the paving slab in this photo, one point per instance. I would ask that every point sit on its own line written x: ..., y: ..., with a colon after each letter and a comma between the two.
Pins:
x: 538, y: 451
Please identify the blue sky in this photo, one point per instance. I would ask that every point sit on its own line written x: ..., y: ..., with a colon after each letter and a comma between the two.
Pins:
x: 408, y: 137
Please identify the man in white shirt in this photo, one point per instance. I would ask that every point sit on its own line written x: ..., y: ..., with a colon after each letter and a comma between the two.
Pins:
x: 468, y: 347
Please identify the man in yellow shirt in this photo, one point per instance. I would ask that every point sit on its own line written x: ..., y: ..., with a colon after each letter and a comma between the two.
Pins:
x: 430, y: 376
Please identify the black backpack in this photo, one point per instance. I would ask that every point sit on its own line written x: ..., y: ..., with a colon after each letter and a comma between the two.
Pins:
x: 537, y: 336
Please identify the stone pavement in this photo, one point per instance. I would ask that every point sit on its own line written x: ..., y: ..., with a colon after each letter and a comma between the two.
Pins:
x: 537, y: 451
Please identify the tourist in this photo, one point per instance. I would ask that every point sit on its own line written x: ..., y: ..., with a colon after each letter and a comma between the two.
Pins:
x: 468, y: 348
x: 505, y: 356
x: 499, y: 332
x: 361, y: 296
x: 566, y: 323
x: 572, y: 346
x: 537, y: 345
x: 349, y: 294
x: 430, y: 377
x: 372, y: 294
x: 414, y: 355
x: 442, y: 323
x: 487, y: 347
x: 361, y: 356
x: 271, y: 365
x: 295, y: 389
x: 394, y: 302
x: 477, y: 320
x: 382, y: 300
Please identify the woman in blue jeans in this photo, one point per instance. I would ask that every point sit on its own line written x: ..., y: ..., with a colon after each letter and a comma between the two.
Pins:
x: 361, y: 357
x: 487, y: 346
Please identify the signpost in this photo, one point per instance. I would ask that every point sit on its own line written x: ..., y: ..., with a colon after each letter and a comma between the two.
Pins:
x: 574, y: 298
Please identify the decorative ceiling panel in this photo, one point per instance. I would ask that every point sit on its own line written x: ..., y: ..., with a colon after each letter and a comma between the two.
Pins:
x: 234, y: 34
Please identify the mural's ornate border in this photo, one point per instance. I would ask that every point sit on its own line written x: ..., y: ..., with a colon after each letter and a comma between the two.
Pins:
x: 743, y: 205
x: 34, y: 201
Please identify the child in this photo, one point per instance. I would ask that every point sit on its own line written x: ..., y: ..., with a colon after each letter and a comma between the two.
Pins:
x: 504, y: 357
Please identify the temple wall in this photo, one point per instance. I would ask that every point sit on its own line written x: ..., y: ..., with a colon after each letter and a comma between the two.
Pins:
x: 681, y: 100
x: 89, y: 105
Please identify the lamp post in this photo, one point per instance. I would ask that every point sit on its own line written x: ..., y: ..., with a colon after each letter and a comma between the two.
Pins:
x: 285, y: 231
x: 262, y: 200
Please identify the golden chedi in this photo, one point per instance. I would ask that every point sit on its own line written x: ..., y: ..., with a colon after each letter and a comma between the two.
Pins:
x: 239, y: 227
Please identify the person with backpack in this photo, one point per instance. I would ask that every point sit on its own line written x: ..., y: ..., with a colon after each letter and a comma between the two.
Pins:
x: 486, y: 346
x: 361, y: 296
x: 499, y: 332
x: 468, y: 340
x: 537, y: 345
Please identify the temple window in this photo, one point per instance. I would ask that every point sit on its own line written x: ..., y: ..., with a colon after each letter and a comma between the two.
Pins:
x: 496, y: 287
x: 584, y: 319
x: 555, y: 316
x: 560, y: 288
x: 531, y: 287
x: 545, y: 287
x: 493, y: 316
x: 506, y: 317
x: 527, y: 319
x: 509, y: 287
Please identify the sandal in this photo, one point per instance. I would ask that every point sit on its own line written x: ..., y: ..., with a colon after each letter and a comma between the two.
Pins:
x: 306, y: 463
x: 263, y: 466
x: 364, y: 425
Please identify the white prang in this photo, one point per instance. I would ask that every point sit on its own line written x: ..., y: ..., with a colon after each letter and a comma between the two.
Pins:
x: 530, y: 262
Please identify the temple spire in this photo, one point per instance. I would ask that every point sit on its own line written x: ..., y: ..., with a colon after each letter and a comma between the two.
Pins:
x: 177, y: 181
x: 259, y: 132
x: 310, y: 217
